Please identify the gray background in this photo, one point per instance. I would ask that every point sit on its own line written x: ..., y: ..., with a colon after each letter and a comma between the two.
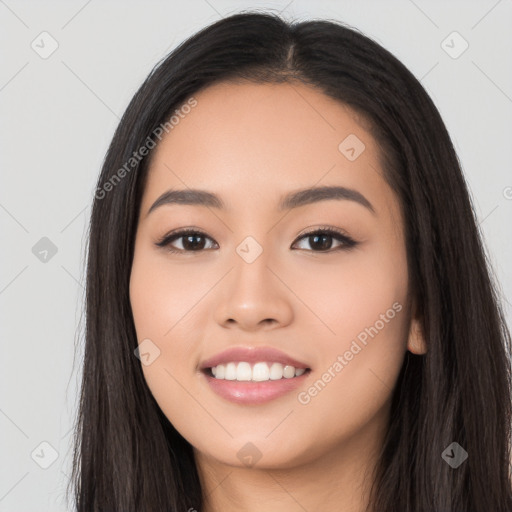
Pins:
x: 59, y: 114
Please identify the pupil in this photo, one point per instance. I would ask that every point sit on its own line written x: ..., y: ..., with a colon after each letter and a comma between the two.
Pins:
x: 324, y: 244
x: 190, y: 245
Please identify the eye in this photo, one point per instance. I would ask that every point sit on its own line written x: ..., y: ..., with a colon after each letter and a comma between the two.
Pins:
x: 321, y: 239
x: 193, y: 240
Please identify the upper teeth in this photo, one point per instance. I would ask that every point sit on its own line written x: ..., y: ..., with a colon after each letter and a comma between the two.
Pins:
x: 259, y: 372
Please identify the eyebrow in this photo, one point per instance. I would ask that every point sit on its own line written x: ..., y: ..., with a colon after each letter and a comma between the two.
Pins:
x: 289, y: 201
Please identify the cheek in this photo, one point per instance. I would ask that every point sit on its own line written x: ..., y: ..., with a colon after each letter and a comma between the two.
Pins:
x: 167, y: 301
x: 363, y: 301
x: 162, y: 301
x: 162, y: 295
x: 349, y: 292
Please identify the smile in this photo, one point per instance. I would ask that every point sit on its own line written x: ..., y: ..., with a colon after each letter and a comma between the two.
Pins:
x: 262, y: 382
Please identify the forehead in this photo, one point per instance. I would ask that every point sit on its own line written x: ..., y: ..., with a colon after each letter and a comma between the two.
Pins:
x: 260, y: 141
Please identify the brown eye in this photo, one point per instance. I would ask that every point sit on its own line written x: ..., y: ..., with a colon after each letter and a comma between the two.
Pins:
x: 192, y: 241
x: 321, y: 240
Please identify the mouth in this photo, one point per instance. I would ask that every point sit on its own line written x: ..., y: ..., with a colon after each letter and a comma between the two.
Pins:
x: 253, y: 384
x: 262, y: 371
x: 252, y: 375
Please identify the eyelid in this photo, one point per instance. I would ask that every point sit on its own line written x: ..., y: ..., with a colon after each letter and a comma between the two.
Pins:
x: 181, y: 232
x: 323, y: 229
x: 348, y: 241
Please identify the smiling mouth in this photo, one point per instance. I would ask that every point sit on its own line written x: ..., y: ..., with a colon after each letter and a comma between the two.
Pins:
x: 263, y: 371
x: 253, y: 392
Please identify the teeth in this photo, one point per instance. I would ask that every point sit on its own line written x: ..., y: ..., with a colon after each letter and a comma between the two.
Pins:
x: 260, y: 372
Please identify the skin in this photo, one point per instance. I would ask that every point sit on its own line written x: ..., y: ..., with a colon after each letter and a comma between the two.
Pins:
x: 250, y: 144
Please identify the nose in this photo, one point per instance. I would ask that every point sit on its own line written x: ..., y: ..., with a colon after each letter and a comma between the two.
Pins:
x: 254, y: 297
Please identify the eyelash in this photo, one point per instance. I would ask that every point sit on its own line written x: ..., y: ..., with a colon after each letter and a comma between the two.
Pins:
x: 348, y: 243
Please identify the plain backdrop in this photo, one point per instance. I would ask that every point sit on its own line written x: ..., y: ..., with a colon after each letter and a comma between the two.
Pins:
x: 59, y: 112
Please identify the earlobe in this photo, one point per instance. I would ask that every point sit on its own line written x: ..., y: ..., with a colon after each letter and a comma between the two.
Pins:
x: 416, y: 341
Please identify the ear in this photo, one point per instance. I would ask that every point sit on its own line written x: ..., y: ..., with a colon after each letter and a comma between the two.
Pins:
x: 416, y: 341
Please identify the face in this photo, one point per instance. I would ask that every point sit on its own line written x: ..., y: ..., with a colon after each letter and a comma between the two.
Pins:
x: 258, y: 271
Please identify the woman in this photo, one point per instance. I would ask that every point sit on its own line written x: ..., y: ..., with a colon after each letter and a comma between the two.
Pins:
x: 288, y: 304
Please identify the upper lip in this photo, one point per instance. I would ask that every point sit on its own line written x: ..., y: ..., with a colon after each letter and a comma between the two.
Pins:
x: 251, y: 355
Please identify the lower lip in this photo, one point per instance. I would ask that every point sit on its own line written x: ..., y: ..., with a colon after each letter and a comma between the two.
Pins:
x: 251, y: 393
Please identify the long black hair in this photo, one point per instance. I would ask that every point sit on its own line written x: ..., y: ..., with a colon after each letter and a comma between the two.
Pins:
x: 129, y: 457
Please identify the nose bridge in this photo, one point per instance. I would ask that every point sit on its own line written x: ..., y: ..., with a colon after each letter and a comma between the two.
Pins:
x: 252, y: 279
x: 253, y: 294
